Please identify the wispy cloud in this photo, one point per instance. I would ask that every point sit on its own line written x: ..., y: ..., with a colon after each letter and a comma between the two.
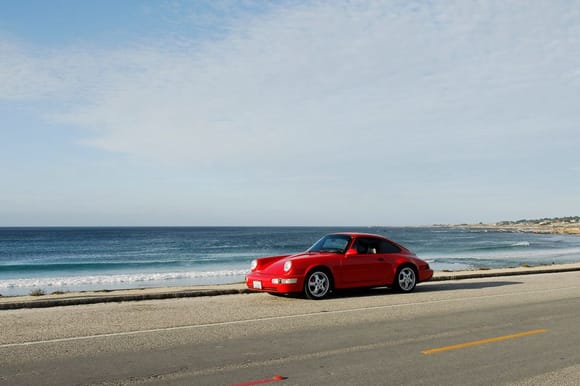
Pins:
x: 403, y: 87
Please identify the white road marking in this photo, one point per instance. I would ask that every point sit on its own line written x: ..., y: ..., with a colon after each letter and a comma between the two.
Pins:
x: 270, y: 318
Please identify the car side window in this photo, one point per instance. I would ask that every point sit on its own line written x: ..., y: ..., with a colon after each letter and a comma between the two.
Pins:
x: 386, y: 247
x: 367, y: 246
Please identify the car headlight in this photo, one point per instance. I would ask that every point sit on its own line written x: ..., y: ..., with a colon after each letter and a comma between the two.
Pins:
x: 254, y: 264
x: 287, y: 265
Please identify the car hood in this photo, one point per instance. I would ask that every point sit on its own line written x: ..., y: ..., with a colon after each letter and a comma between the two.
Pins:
x: 278, y: 265
x: 310, y: 255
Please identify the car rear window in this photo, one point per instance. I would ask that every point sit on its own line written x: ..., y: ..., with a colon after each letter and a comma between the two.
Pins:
x: 387, y: 247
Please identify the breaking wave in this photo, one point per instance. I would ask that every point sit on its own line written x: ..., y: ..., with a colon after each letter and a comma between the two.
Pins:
x: 118, y: 279
x: 521, y: 244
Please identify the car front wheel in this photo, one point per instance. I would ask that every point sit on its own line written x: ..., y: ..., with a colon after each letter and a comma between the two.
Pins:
x: 317, y: 284
x: 406, y: 279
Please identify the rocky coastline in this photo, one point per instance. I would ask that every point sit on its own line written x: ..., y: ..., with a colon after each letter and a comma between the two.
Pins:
x: 557, y: 225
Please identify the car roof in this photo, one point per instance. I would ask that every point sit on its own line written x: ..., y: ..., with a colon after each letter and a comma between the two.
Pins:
x: 358, y: 234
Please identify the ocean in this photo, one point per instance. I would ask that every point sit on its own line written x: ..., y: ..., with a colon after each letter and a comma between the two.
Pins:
x: 107, y: 258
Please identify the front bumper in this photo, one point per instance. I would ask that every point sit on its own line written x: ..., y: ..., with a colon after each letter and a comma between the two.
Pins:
x: 268, y: 283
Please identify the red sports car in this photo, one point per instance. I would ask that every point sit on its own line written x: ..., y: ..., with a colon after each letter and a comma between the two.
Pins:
x: 340, y: 260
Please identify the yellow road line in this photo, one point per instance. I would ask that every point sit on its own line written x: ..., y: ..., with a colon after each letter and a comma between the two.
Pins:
x: 483, y: 341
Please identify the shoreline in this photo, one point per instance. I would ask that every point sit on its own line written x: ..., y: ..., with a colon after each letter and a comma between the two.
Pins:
x: 504, y: 246
x: 556, y: 228
x: 139, y: 294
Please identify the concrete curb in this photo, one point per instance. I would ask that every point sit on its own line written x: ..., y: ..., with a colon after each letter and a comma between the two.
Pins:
x: 13, y: 303
x: 58, y: 302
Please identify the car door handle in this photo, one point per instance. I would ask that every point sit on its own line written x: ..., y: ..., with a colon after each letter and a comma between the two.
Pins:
x: 381, y: 259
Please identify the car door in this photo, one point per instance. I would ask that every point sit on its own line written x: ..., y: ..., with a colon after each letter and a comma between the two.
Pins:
x: 389, y: 253
x: 364, y: 265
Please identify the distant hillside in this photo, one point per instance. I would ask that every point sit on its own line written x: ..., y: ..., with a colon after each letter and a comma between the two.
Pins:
x: 544, y: 221
x: 557, y: 225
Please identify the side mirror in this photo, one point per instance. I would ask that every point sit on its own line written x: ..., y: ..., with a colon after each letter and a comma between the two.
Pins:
x: 351, y: 252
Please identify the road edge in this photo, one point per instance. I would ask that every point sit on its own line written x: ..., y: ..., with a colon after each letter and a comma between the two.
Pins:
x: 19, y: 302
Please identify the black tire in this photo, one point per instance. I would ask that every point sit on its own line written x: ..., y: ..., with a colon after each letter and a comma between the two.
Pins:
x: 405, y: 279
x: 318, y: 284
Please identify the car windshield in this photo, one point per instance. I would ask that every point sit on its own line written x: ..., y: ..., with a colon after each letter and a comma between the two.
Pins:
x: 331, y: 243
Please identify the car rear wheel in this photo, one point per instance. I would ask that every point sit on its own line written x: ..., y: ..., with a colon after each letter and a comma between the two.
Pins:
x: 317, y: 285
x: 406, y: 279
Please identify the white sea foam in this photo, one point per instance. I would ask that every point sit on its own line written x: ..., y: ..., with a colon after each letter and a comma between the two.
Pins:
x: 521, y: 244
x: 117, y: 279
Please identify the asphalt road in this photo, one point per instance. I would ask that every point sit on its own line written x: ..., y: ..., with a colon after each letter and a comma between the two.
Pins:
x: 516, y: 330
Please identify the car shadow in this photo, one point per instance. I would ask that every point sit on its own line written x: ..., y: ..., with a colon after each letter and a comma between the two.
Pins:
x: 443, y: 286
x: 426, y: 287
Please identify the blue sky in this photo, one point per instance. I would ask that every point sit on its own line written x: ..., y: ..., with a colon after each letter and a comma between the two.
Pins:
x: 288, y: 112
